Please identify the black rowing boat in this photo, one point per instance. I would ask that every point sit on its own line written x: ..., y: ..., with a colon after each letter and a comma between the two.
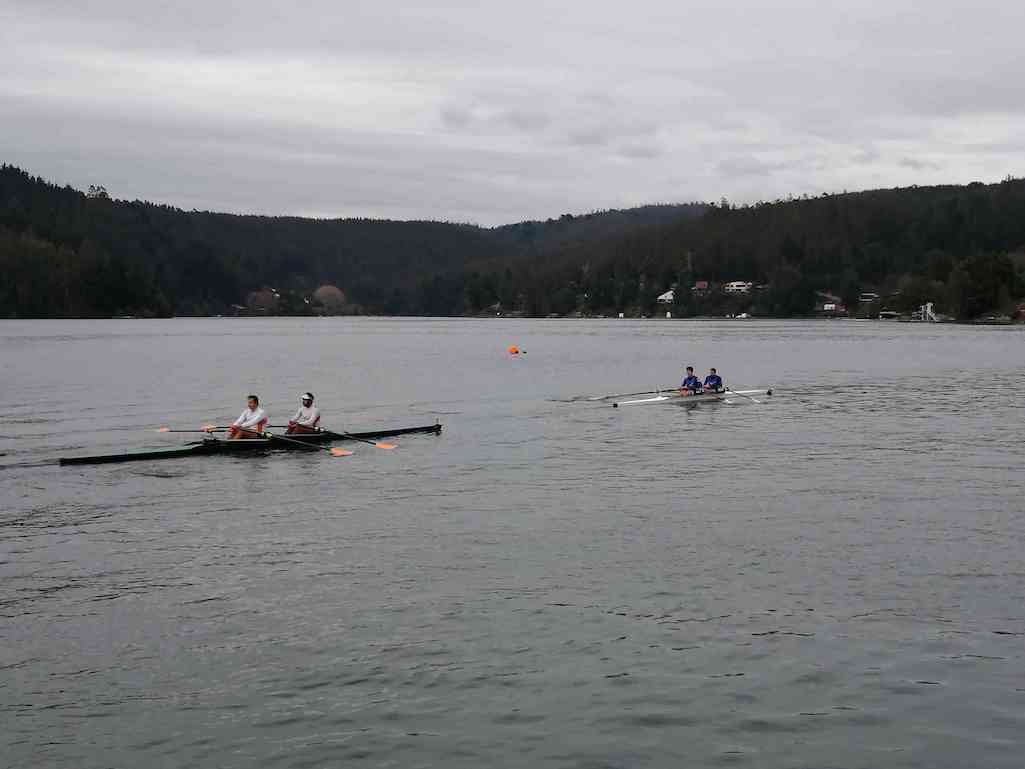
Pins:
x: 213, y: 445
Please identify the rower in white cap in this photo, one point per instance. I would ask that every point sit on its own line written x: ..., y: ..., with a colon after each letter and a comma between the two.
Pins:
x: 307, y: 418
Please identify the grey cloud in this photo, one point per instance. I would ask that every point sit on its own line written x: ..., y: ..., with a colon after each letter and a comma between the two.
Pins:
x: 589, y: 137
x: 487, y: 117
x: 527, y: 120
x: 640, y: 151
x: 746, y: 165
x: 456, y: 117
x: 919, y: 164
x: 964, y: 94
x: 321, y: 172
x: 866, y: 155
x: 489, y: 111
x: 600, y: 134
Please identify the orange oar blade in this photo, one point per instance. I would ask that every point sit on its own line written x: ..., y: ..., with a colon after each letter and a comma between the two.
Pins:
x: 164, y: 430
x: 386, y: 445
x: 209, y: 428
x: 341, y: 453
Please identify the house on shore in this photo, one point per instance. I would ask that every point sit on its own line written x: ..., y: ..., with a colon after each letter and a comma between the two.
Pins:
x: 829, y: 305
x: 738, y: 287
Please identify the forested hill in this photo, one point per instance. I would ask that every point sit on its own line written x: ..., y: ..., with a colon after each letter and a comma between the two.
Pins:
x: 960, y: 247
x: 542, y: 237
x: 67, y: 254
x: 64, y: 253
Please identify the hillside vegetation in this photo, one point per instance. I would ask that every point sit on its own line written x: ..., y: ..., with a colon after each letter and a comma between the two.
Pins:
x: 64, y: 253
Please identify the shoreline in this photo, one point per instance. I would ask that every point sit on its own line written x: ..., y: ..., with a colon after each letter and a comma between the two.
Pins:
x: 993, y: 321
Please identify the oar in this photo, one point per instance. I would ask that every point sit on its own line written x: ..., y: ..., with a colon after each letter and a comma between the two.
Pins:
x: 206, y: 429
x: 743, y: 396
x: 626, y: 395
x: 378, y: 444
x: 335, y: 452
x: 352, y: 437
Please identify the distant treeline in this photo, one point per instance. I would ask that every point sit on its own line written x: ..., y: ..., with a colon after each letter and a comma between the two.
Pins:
x: 960, y: 247
x: 64, y: 253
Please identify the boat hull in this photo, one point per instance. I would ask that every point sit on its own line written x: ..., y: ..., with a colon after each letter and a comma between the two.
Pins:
x: 211, y: 445
x: 675, y: 397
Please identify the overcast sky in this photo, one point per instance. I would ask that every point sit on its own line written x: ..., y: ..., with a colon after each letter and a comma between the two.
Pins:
x: 492, y: 112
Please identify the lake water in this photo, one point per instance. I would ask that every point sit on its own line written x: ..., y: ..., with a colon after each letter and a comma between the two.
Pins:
x: 833, y: 577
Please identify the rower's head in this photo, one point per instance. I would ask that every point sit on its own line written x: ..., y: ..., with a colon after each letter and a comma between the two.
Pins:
x: 690, y: 369
x: 253, y: 401
x: 307, y: 399
x: 711, y: 370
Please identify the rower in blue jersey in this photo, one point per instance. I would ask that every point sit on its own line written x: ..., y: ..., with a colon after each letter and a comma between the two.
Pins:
x: 690, y: 384
x: 713, y: 382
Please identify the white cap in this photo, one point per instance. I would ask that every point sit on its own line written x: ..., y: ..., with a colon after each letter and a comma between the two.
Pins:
x: 306, y: 397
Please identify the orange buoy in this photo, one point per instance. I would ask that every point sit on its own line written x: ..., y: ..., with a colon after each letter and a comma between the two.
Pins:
x: 514, y: 350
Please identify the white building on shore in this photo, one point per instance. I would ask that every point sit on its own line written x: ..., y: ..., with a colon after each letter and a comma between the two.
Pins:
x: 738, y: 287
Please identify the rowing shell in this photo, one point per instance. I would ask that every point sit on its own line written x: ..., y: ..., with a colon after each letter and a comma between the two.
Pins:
x: 211, y: 445
x: 689, y: 398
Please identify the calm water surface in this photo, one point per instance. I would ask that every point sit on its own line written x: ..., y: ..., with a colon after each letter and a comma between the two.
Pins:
x: 832, y: 578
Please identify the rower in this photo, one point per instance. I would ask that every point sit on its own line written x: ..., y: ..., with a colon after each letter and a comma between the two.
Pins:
x: 691, y: 384
x: 251, y: 422
x: 307, y: 418
x: 713, y: 382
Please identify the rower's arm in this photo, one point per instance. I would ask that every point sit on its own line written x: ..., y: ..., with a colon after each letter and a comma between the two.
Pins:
x: 256, y: 421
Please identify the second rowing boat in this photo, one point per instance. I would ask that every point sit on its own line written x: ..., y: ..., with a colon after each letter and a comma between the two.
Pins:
x: 688, y: 399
